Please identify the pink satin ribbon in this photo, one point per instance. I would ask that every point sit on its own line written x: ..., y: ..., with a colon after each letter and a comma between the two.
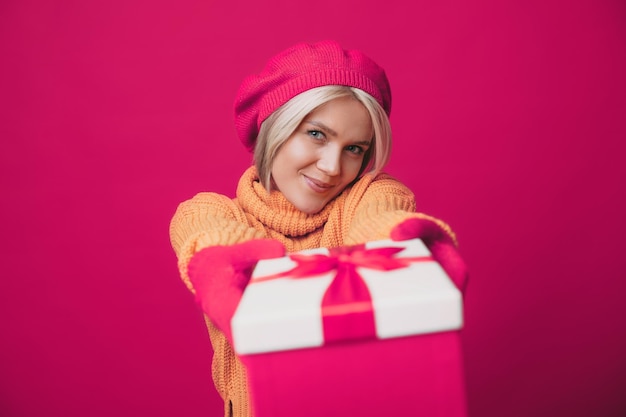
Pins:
x: 347, y: 310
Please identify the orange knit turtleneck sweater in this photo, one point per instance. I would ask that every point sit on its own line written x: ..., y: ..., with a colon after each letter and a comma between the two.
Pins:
x: 366, y: 211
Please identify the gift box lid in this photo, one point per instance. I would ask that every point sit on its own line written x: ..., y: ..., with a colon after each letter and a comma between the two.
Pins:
x: 284, y: 313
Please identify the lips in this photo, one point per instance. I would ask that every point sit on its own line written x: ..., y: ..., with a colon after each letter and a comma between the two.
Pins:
x: 317, y: 185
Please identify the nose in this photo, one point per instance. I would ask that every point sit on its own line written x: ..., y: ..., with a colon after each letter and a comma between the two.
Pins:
x: 329, y: 161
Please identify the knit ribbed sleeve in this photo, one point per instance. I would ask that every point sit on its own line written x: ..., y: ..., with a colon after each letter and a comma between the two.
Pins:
x: 207, y: 219
x: 376, y: 205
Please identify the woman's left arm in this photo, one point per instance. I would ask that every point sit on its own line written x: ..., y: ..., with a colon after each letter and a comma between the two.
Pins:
x: 383, y: 208
x: 375, y: 206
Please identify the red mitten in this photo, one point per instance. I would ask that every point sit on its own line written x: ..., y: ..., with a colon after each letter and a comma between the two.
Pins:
x: 219, y: 275
x: 440, y: 244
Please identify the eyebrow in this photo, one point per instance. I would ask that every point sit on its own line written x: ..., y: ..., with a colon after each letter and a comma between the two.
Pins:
x: 327, y: 129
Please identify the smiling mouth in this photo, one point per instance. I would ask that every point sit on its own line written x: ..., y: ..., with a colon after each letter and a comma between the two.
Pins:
x: 317, y: 186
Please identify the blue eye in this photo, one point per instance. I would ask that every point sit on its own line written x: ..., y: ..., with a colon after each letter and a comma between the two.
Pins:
x: 357, y: 150
x: 316, y: 134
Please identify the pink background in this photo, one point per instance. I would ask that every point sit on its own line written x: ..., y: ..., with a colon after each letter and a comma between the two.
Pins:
x: 509, y: 121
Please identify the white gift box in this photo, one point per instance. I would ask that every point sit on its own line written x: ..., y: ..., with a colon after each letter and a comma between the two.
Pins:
x: 286, y: 313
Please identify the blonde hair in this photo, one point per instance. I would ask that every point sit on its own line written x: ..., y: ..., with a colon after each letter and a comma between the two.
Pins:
x: 281, y: 124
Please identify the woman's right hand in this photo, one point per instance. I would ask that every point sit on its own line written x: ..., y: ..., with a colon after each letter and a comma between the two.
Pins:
x: 219, y: 275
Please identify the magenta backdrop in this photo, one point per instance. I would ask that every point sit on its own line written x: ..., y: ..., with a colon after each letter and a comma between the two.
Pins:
x: 509, y: 121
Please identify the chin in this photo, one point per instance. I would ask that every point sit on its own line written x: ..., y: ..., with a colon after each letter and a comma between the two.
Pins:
x: 310, y: 208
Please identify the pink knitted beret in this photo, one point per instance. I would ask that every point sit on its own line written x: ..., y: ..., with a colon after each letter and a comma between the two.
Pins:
x: 301, y: 68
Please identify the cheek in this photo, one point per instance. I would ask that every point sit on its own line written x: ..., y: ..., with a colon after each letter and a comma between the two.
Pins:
x: 289, y: 159
x: 352, y: 166
x: 295, y: 151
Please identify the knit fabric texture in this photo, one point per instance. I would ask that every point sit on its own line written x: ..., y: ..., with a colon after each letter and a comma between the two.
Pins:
x: 301, y: 68
x: 364, y: 212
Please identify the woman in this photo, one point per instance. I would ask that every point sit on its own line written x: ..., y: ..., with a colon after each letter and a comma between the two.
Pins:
x: 316, y: 118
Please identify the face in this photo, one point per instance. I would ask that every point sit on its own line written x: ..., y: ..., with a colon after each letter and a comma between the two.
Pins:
x: 323, y: 155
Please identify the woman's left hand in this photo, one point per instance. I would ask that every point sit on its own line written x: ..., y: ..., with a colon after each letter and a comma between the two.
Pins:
x: 439, y: 242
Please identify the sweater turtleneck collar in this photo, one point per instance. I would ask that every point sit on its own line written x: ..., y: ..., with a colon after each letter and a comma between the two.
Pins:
x: 274, y: 211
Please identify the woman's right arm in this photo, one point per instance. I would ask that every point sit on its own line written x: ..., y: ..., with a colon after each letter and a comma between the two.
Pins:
x: 208, y: 219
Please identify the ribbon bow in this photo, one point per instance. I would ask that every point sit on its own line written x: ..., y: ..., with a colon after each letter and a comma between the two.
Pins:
x: 347, y: 310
